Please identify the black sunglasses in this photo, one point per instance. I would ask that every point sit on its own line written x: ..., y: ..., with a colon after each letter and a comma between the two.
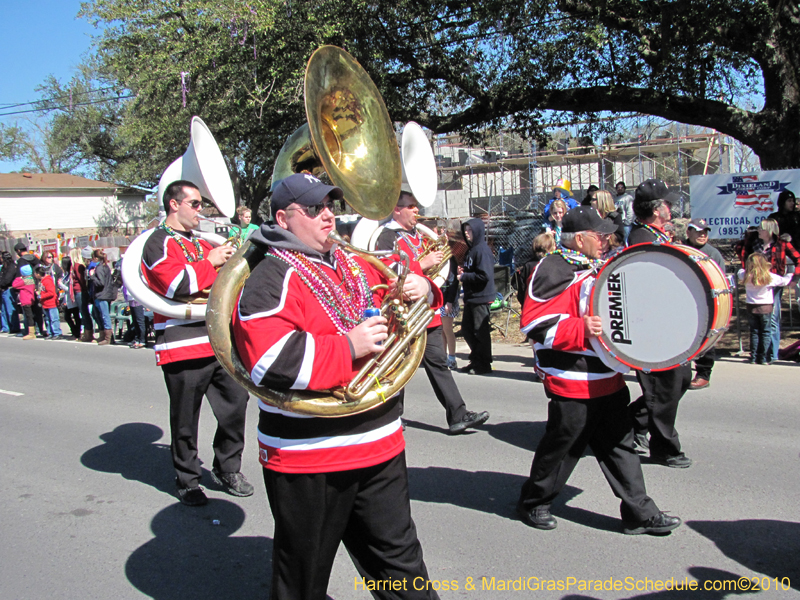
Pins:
x: 315, y: 210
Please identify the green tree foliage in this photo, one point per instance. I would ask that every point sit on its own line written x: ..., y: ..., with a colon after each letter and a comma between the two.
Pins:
x: 469, y: 66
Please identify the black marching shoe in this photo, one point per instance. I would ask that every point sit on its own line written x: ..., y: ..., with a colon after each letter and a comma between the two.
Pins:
x: 538, y: 517
x: 192, y: 496
x: 659, y: 524
x: 677, y: 461
x: 234, y: 483
x: 471, y: 419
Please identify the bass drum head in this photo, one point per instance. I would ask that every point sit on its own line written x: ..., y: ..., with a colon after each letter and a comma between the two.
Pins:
x: 654, y: 303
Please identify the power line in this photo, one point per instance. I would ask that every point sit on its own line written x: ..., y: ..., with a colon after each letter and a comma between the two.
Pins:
x: 7, y: 106
x: 33, y: 110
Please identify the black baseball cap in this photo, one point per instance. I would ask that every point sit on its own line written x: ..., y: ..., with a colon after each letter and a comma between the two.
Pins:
x: 586, y: 218
x: 699, y: 225
x: 655, y: 189
x: 304, y: 189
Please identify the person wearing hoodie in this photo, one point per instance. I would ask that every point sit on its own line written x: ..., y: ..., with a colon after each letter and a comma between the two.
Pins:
x: 9, y: 307
x: 176, y: 263
x: 299, y: 324
x: 25, y: 284
x: 31, y: 260
x: 477, y: 281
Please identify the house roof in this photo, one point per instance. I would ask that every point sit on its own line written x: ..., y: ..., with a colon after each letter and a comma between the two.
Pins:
x: 53, y: 181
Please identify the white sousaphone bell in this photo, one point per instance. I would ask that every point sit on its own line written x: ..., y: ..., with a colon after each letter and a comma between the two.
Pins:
x: 203, y: 165
x: 419, y: 173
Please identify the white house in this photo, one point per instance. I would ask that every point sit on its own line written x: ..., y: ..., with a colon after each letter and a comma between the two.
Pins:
x: 44, y: 203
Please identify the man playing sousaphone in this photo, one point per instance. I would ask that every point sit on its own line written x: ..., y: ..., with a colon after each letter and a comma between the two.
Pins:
x: 402, y: 228
x: 178, y: 264
x: 299, y: 325
x: 588, y: 401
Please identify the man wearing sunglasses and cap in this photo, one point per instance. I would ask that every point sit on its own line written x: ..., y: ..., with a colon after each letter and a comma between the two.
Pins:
x: 178, y: 264
x: 299, y: 324
x: 657, y: 408
x: 588, y: 401
x: 403, y: 229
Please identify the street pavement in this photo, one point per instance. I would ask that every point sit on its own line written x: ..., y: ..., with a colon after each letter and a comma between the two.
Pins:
x: 87, y: 504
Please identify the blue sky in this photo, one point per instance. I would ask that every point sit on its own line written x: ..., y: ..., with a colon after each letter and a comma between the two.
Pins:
x: 38, y: 38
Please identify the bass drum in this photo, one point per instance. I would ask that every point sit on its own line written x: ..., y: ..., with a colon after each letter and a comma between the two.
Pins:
x: 137, y: 285
x: 661, y: 305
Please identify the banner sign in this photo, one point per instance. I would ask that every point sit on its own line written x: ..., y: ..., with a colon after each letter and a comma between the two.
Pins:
x: 50, y: 247
x: 732, y: 202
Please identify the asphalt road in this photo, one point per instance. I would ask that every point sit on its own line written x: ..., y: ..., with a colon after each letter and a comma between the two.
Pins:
x: 87, y: 508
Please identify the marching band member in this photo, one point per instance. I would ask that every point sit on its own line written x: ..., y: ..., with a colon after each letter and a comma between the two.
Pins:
x: 403, y: 228
x: 657, y: 408
x: 299, y: 325
x: 178, y: 264
x: 588, y: 401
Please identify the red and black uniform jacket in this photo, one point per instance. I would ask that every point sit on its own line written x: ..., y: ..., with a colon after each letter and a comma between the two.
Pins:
x: 170, y: 274
x: 287, y: 342
x: 552, y: 316
x: 391, y: 232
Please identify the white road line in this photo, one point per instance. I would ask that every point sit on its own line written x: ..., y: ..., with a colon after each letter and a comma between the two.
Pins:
x: 11, y: 393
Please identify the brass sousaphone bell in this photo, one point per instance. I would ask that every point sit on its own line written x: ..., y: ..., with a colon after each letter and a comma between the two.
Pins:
x: 349, y: 137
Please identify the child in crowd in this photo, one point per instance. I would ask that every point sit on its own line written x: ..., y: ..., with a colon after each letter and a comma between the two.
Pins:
x: 758, y: 284
x: 25, y: 285
x: 48, y: 296
x: 543, y: 244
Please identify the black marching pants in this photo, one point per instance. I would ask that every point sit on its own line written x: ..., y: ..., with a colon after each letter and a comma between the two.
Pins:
x: 187, y: 382
x: 435, y: 363
x: 605, y: 426
x: 367, y: 509
x: 657, y: 408
x: 477, y: 333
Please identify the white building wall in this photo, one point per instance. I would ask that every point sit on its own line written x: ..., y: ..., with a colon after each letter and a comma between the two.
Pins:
x: 61, y: 209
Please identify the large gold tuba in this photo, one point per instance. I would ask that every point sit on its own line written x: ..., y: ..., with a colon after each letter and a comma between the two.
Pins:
x: 350, y: 137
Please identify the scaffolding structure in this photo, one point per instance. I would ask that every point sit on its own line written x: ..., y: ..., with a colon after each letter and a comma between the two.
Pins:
x: 514, y: 176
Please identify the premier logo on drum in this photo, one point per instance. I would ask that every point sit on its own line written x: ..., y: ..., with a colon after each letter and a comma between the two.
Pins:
x: 616, y: 308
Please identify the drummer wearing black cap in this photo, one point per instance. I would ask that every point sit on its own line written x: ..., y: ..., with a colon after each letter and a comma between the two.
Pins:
x: 657, y: 408
x: 588, y: 401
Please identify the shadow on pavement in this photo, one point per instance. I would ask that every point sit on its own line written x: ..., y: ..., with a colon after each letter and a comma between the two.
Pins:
x: 194, y: 556
x: 762, y: 545
x: 522, y: 434
x: 131, y: 450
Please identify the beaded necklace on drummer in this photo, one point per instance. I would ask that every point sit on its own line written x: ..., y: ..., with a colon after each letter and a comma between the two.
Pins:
x: 574, y: 257
x: 661, y: 237
x: 179, y: 238
x: 343, y: 303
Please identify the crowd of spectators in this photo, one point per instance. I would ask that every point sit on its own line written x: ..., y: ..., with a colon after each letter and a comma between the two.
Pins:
x: 83, y: 292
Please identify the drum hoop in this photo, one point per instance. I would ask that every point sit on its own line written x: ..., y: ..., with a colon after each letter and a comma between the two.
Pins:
x: 672, y: 250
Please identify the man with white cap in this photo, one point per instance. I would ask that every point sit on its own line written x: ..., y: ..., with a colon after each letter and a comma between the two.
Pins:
x: 697, y: 237
x: 588, y: 401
